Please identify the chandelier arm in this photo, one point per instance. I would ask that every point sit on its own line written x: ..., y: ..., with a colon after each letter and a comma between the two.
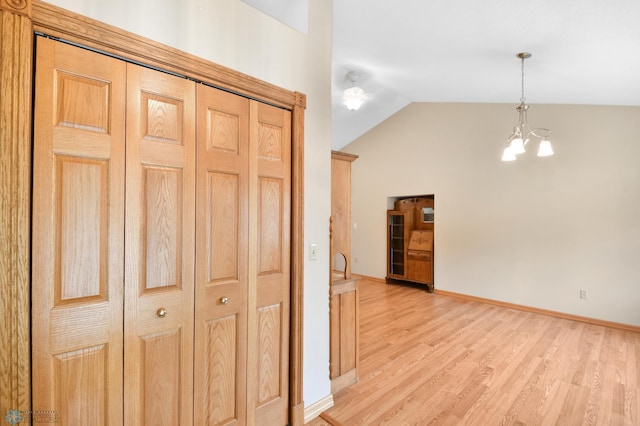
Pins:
x: 540, y: 132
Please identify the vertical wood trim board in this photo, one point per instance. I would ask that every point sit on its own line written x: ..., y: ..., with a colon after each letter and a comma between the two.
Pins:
x: 15, y: 203
x: 296, y: 400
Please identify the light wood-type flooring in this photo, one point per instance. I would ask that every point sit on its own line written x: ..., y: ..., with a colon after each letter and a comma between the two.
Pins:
x: 431, y: 359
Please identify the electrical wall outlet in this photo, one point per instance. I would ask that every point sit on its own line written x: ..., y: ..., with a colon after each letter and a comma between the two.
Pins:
x: 583, y: 294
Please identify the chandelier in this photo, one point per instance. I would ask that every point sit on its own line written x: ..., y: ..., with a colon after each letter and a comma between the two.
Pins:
x: 354, y: 96
x: 522, y: 132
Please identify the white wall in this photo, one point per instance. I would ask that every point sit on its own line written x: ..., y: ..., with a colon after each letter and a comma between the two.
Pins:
x: 233, y: 34
x: 530, y: 232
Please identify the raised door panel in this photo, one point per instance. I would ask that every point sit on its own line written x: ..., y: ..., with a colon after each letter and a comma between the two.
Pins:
x: 334, y: 336
x: 419, y: 266
x: 344, y: 334
x: 221, y: 258
x: 269, y: 264
x: 160, y: 248
x: 348, y: 330
x: 78, y: 219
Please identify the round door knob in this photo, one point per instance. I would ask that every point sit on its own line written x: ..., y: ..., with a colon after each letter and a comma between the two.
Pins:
x: 162, y: 312
x: 224, y: 300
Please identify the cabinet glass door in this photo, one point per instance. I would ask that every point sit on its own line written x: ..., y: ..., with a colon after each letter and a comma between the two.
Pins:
x: 396, y: 241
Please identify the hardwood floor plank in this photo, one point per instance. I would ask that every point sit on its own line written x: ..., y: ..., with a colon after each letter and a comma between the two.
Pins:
x: 429, y: 358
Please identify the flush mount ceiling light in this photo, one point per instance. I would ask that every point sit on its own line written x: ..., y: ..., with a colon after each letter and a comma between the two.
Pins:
x: 354, y: 96
x: 522, y: 132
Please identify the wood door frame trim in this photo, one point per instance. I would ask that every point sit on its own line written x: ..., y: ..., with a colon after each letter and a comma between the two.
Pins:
x: 61, y: 23
x: 16, y: 59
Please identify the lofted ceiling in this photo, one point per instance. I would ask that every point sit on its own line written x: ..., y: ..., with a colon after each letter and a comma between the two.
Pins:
x: 583, y: 52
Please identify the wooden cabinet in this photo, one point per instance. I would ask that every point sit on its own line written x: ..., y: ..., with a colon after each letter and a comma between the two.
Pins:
x: 152, y: 306
x: 343, y: 287
x: 410, y: 227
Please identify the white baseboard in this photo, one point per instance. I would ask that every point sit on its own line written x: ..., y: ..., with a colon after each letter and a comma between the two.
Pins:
x: 314, y: 410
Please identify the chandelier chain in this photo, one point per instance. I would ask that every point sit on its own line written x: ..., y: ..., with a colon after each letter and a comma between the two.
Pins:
x: 522, y: 99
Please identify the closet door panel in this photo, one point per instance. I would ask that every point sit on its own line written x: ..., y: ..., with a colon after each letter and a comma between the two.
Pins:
x: 221, y: 371
x: 269, y: 382
x: 82, y: 392
x: 81, y: 228
x: 223, y: 209
x: 222, y: 256
x: 78, y: 218
x: 162, y: 376
x: 160, y: 245
x: 162, y: 227
x: 269, y: 264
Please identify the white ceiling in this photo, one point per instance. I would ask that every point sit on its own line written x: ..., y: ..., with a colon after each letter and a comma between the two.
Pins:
x: 583, y: 52
x: 291, y: 12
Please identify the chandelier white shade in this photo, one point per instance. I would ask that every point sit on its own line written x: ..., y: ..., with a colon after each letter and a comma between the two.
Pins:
x: 354, y: 96
x: 544, y: 149
x: 522, y: 133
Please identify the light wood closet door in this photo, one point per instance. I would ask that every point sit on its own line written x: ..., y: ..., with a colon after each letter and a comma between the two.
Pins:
x: 243, y: 257
x: 78, y: 235
x: 269, y: 264
x: 222, y: 258
x: 113, y: 292
x: 85, y: 269
x: 160, y: 248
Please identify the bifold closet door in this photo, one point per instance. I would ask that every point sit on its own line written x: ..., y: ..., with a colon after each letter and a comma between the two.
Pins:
x: 120, y: 241
x: 222, y: 257
x: 243, y: 261
x: 78, y: 235
x: 160, y: 248
x: 269, y: 264
x: 113, y: 245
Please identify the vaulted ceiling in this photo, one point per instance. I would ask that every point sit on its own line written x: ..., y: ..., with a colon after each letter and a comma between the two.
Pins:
x: 583, y: 52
